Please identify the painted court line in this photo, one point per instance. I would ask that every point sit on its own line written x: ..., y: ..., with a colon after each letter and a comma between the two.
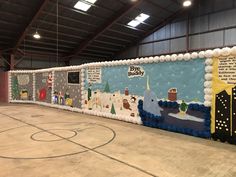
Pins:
x: 87, y: 148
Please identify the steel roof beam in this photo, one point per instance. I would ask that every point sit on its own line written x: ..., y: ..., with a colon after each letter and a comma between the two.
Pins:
x: 79, y: 11
x: 46, y: 43
x: 102, y: 47
x: 95, y: 55
x: 34, y: 18
x: 54, y: 32
x: 63, y: 26
x: 109, y: 43
x: 116, y: 38
x: 106, y: 26
x: 123, y: 33
x: 159, y: 26
x: 70, y: 19
x: 55, y: 39
x: 99, y: 51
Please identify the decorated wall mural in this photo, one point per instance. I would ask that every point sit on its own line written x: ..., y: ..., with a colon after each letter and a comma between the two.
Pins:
x: 171, y: 91
x: 43, y: 86
x: 224, y: 99
x: 191, y: 93
x: 67, y: 89
x: 22, y: 86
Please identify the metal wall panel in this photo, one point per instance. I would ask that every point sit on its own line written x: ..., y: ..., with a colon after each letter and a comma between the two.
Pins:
x: 178, y: 29
x: 161, y: 47
x: 199, y: 24
x: 207, y: 40
x: 210, y: 18
x: 222, y: 19
x: 222, y: 4
x: 149, y: 38
x: 146, y: 49
x: 230, y: 37
x: 178, y: 45
x: 163, y: 33
x: 38, y: 64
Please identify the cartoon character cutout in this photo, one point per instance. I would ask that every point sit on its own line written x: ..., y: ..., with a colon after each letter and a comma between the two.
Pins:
x: 150, y: 103
x: 49, y: 81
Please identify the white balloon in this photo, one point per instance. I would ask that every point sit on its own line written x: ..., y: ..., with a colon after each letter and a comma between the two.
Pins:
x: 233, y: 51
x: 173, y: 57
x: 187, y: 56
x: 207, y: 103
x: 208, y: 77
x: 209, y: 53
x: 226, y: 51
x: 208, y: 69
x: 162, y: 58
x: 168, y: 57
x: 151, y: 58
x: 209, y: 61
x: 201, y: 54
x: 216, y: 52
x: 208, y: 97
x: 194, y: 55
x: 208, y: 84
x: 180, y: 57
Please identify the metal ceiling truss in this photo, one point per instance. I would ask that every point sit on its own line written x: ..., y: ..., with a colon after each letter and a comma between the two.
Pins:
x: 106, y: 26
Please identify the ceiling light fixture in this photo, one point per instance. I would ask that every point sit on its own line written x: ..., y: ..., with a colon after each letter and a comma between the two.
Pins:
x: 139, y: 19
x: 84, y: 5
x: 187, y: 3
x: 36, y: 35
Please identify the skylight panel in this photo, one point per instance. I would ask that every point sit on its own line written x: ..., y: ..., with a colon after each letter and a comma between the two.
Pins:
x: 139, y: 19
x: 134, y: 23
x: 84, y: 5
x: 142, y: 17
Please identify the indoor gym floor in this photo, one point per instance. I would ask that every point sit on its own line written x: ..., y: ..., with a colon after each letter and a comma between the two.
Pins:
x: 37, y: 141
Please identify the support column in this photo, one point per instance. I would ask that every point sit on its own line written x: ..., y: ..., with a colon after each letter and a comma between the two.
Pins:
x: 12, y: 61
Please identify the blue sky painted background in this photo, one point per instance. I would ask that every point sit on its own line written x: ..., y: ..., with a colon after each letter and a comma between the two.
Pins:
x: 186, y: 76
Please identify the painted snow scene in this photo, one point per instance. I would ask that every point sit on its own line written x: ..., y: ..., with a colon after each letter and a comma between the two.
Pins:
x: 170, y: 91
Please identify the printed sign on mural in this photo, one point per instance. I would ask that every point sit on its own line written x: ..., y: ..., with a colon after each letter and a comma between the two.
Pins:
x: 227, y: 70
x: 94, y: 75
x: 135, y: 71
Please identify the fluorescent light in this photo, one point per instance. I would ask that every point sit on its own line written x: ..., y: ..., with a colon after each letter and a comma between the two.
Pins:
x: 139, y: 19
x: 84, y: 6
x: 142, y: 17
x: 36, y: 35
x: 134, y: 23
x: 187, y: 3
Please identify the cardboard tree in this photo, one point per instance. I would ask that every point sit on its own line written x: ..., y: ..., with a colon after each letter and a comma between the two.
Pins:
x: 183, y: 106
x: 113, y: 111
x: 107, y: 88
x: 15, y: 88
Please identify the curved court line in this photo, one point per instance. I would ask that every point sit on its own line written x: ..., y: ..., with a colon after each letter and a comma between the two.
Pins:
x: 87, y: 148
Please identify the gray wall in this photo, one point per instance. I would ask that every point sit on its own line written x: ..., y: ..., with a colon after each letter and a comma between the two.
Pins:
x: 212, y: 24
x: 37, y: 64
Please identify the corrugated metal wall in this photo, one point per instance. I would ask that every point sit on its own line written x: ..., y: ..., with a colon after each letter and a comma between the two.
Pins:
x: 212, y: 24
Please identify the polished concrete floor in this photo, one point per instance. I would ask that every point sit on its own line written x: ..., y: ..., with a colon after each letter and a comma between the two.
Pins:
x: 37, y: 141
